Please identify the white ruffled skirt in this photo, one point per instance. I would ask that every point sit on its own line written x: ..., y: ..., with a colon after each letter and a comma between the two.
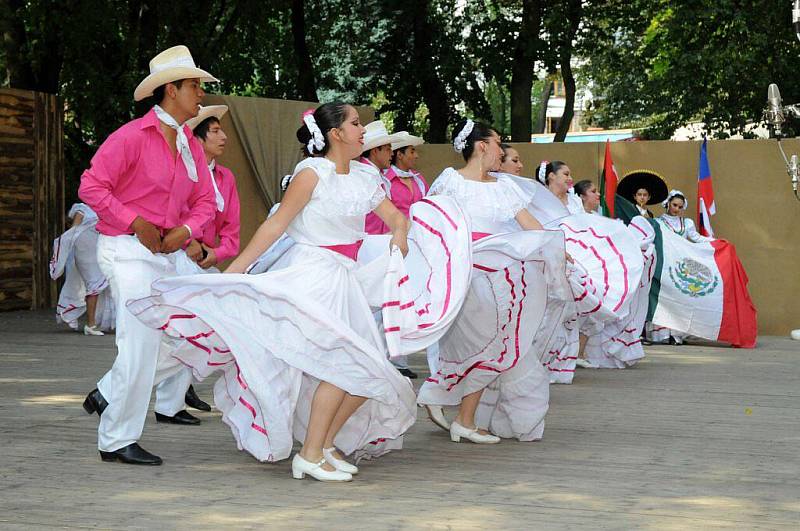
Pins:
x: 605, y: 280
x: 515, y: 302
x: 275, y: 336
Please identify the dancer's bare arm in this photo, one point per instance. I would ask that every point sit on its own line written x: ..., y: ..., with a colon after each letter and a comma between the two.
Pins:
x: 527, y: 221
x: 397, y: 223
x: 297, y: 196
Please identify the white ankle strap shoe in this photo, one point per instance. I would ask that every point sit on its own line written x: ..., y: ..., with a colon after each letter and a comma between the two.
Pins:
x: 301, y: 467
x: 436, y: 414
x: 92, y: 331
x: 338, y: 464
x: 457, y: 431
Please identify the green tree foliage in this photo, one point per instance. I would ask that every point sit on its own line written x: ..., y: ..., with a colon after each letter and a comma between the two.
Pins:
x: 663, y: 64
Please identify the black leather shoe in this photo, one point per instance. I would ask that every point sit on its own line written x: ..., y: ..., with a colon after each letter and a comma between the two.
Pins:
x: 133, y: 454
x: 193, y: 401
x: 408, y: 373
x: 181, y: 417
x: 95, y: 403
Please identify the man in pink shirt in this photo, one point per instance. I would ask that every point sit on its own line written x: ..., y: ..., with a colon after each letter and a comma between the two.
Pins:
x: 219, y: 240
x: 151, y: 189
x: 377, y: 154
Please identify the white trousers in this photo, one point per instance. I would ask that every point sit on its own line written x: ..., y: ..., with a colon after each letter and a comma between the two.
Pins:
x: 130, y: 269
x: 171, y: 393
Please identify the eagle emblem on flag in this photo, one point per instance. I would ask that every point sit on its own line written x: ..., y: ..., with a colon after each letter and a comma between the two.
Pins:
x: 693, y: 278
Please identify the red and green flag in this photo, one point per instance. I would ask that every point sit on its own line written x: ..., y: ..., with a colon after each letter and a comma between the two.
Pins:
x: 608, y: 184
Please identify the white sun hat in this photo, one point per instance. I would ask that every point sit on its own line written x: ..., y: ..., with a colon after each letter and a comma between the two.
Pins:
x: 217, y: 111
x: 404, y: 139
x: 170, y: 65
x: 376, y: 135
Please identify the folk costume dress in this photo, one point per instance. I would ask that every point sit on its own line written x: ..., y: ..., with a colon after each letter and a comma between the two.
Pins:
x: 276, y: 335
x: 75, y: 255
x: 604, y: 276
x: 515, y: 301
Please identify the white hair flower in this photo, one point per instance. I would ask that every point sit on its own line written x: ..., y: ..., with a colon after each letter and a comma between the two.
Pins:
x: 542, y: 174
x: 317, y: 140
x: 461, y: 139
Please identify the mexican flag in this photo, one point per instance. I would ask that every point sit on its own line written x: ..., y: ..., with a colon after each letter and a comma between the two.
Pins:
x: 700, y: 289
x: 608, y: 184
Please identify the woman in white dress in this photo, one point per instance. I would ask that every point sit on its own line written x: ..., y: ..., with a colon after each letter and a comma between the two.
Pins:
x: 85, y: 286
x: 604, y: 272
x: 590, y: 197
x: 673, y: 220
x: 298, y: 346
x: 488, y: 364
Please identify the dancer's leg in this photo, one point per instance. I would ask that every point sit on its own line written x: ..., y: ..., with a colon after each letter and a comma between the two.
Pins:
x: 326, y: 402
x: 349, y: 406
x: 466, y: 412
x: 91, y: 309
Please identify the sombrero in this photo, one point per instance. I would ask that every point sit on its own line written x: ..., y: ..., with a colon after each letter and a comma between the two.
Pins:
x: 647, y: 179
x: 170, y: 65
x: 217, y: 111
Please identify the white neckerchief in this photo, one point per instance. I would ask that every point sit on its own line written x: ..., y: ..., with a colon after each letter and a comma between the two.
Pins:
x: 402, y: 173
x: 217, y: 193
x: 181, y: 143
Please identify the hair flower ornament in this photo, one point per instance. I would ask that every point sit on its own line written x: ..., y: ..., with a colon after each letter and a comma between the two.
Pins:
x: 542, y: 173
x: 461, y: 139
x: 317, y: 140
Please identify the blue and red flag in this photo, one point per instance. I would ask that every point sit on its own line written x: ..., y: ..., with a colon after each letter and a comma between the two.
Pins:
x: 705, y: 195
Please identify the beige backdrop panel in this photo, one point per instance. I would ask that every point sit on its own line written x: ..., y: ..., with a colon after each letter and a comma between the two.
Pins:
x: 755, y: 207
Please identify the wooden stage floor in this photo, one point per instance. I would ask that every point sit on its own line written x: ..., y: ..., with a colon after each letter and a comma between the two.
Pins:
x: 694, y: 437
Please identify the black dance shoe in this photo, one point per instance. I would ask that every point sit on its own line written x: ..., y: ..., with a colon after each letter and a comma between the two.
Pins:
x: 95, y: 403
x: 133, y: 454
x: 193, y: 401
x: 408, y: 373
x: 181, y: 417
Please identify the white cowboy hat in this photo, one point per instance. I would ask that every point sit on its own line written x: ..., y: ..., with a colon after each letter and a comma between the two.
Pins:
x: 217, y: 111
x: 404, y: 140
x: 170, y: 65
x: 376, y: 135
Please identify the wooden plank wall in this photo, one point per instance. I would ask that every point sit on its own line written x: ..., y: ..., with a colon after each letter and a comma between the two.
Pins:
x: 31, y: 196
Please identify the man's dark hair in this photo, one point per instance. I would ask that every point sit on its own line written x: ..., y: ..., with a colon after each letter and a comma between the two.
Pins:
x: 201, y: 130
x: 159, y: 92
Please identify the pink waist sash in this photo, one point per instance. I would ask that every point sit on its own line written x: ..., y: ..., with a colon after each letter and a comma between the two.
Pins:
x: 478, y: 235
x: 350, y: 250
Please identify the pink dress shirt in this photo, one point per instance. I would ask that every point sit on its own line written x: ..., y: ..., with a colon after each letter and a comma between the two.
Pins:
x: 134, y: 173
x: 400, y: 195
x: 224, y: 228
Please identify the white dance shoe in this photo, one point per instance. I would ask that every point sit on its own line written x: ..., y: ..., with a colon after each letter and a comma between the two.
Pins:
x: 436, y: 414
x: 301, y: 467
x: 92, y: 331
x: 585, y: 364
x: 457, y: 431
x: 338, y: 464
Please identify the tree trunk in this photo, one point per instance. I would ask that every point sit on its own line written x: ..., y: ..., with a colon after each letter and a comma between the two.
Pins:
x: 544, y: 100
x: 305, y: 68
x: 574, y: 12
x: 569, y: 104
x: 18, y: 66
x: 433, y: 90
x: 522, y: 71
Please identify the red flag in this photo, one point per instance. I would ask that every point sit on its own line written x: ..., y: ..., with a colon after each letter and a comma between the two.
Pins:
x: 608, y: 184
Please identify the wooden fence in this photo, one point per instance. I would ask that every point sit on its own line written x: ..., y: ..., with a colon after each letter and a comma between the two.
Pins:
x: 31, y: 196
